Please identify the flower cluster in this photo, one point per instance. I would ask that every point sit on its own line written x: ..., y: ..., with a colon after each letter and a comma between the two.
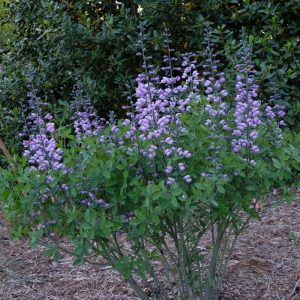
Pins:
x: 216, y: 107
x: 41, y: 149
x: 213, y: 81
x: 275, y: 110
x: 153, y: 124
x: 158, y: 108
x: 90, y: 199
x: 86, y: 122
x: 247, y: 111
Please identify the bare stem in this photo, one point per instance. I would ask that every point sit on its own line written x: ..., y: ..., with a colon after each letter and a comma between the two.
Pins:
x: 7, y: 154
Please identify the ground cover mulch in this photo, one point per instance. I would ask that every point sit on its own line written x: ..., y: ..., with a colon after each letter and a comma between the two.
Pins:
x: 264, y: 265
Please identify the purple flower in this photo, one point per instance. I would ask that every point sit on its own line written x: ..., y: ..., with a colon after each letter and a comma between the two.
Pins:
x: 181, y: 166
x: 168, y: 170
x: 49, y: 179
x: 169, y: 141
x: 186, y: 154
x: 101, y: 202
x: 168, y: 152
x: 254, y: 134
x: 282, y: 123
x: 237, y: 132
x: 65, y: 187
x: 255, y: 149
x: 170, y: 180
x: 48, y: 117
x: 275, y: 111
x: 86, y: 123
x: 187, y: 178
x: 50, y: 127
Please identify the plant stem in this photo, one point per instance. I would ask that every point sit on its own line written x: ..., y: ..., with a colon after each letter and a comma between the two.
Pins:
x: 137, y: 289
x: 210, y: 288
x: 7, y: 154
x: 151, y: 271
x: 183, y: 258
x: 168, y: 270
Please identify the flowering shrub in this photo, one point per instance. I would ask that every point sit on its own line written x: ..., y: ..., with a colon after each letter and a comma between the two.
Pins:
x: 146, y: 192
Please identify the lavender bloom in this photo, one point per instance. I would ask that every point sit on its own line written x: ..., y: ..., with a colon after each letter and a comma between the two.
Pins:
x: 50, y: 127
x: 160, y: 101
x: 187, y: 154
x: 213, y: 83
x: 168, y: 170
x: 247, y: 114
x: 275, y: 110
x: 103, y: 203
x: 187, y: 178
x: 86, y: 122
x: 40, y: 149
x: 270, y: 113
x: 253, y: 134
x: 91, y: 199
x: 168, y: 152
x: 170, y: 180
x: 65, y: 187
x: 49, y: 179
x: 181, y: 166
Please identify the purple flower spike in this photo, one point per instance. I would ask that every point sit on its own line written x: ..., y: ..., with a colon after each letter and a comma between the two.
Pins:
x: 41, y: 148
x: 247, y: 114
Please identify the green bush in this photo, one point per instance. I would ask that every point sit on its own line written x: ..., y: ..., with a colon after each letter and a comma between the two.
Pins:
x: 147, y: 191
x: 59, y: 39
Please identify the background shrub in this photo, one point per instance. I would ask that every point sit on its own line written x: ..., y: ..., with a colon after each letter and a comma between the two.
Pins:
x: 6, y: 29
x: 60, y: 40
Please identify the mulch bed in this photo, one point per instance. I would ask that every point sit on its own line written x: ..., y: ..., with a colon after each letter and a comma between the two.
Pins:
x: 265, y: 265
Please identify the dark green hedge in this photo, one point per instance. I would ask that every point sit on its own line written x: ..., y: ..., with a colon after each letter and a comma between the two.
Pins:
x: 58, y: 39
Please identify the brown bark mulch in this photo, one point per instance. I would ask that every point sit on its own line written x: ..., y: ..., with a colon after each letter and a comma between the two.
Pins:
x: 264, y: 265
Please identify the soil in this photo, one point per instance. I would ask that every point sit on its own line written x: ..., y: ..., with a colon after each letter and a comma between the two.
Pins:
x: 264, y: 265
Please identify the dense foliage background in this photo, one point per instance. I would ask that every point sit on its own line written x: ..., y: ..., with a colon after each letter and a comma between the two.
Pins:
x: 6, y: 29
x: 55, y: 42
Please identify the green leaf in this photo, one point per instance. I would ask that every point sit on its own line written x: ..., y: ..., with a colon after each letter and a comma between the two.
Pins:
x: 220, y: 189
x: 174, y: 201
x: 106, y: 173
x: 73, y: 191
x: 35, y: 237
x: 277, y: 163
x: 155, y: 219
